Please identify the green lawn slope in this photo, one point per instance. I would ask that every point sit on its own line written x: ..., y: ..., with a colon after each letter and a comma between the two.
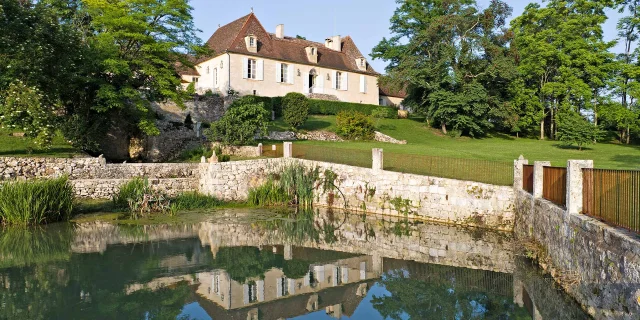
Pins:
x: 423, y: 140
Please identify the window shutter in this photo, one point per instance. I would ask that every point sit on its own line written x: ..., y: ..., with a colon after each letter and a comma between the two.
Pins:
x: 260, y: 287
x: 292, y: 286
x: 260, y: 70
x: 290, y: 75
x: 245, y: 67
x: 334, y: 79
x: 319, y: 273
x: 320, y: 83
x: 363, y: 84
x: 334, y: 276
x: 305, y: 80
x: 278, y: 71
x: 363, y: 270
x: 345, y: 275
x: 307, y: 279
x: 345, y: 81
x: 279, y: 287
x: 245, y: 289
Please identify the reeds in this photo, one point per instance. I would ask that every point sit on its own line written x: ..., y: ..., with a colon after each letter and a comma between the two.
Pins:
x: 293, y: 186
x: 36, y: 202
x: 193, y: 201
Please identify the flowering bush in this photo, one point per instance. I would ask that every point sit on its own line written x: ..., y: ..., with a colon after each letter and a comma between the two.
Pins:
x: 23, y: 108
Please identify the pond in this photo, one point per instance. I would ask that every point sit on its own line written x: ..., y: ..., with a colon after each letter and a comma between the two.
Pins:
x: 261, y: 264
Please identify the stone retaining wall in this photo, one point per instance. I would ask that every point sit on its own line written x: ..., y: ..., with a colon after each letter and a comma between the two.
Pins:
x: 12, y: 168
x: 376, y: 191
x: 106, y: 188
x: 604, y: 260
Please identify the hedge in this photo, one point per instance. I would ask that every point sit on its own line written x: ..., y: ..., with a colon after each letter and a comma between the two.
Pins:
x: 326, y: 107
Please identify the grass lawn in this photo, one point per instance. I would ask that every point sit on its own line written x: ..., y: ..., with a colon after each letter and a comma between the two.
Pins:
x: 11, y: 146
x: 423, y: 140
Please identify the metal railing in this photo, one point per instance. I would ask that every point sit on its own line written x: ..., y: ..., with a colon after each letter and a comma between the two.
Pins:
x: 352, y: 157
x: 527, y: 178
x: 485, y: 171
x: 267, y: 151
x: 555, y: 185
x: 612, y: 196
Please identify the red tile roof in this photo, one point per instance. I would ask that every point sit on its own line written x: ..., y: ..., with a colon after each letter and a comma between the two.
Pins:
x: 230, y: 38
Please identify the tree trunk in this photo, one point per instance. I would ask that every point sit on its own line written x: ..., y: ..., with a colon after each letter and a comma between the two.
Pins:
x: 628, y: 135
x: 552, y: 135
x: 444, y: 128
x: 542, y: 129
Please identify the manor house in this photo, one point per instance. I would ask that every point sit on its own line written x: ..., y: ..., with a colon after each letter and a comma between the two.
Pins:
x: 251, y: 61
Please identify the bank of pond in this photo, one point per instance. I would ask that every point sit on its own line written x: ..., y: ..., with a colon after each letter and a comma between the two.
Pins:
x: 43, y: 201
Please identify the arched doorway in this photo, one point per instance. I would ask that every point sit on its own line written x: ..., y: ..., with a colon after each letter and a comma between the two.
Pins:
x: 313, y: 75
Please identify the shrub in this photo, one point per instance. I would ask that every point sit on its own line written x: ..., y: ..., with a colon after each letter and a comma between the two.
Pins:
x: 334, y: 107
x: 221, y: 157
x: 384, y: 112
x: 354, y: 125
x: 295, y: 109
x: 191, y: 88
x: 195, y: 154
x: 36, y: 202
x: 276, y: 105
x: 573, y: 128
x: 245, y: 119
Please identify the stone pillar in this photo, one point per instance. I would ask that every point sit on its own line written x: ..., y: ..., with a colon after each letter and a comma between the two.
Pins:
x: 517, y: 293
x: 274, y: 147
x: 518, y: 172
x: 288, y: 149
x: 377, y: 264
x: 203, y: 160
x: 259, y: 151
x: 538, y: 177
x: 288, y: 252
x: 378, y: 159
x: 574, y: 184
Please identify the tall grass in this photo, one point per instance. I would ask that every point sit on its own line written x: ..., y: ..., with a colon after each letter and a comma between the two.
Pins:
x: 194, y: 200
x: 36, y: 202
x: 140, y: 199
x: 293, y: 186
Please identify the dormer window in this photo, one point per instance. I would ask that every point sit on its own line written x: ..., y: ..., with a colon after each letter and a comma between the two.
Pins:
x: 312, y: 54
x: 252, y: 43
x: 361, y: 63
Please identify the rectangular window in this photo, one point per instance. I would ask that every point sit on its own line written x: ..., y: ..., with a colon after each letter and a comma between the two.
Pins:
x: 284, y: 72
x: 194, y: 79
x: 339, y: 80
x: 215, y: 77
x: 251, y: 68
x: 285, y: 287
x: 252, y: 42
x: 253, y: 292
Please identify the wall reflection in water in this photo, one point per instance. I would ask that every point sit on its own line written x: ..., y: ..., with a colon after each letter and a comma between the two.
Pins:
x: 281, y: 265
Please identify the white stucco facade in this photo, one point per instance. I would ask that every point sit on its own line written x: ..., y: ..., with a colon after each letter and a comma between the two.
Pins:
x: 230, y: 70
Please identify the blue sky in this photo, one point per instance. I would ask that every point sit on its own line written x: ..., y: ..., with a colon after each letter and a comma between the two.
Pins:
x: 366, y: 21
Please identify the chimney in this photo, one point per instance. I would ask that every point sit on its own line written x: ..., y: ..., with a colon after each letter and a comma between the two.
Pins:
x: 333, y: 43
x: 280, y: 31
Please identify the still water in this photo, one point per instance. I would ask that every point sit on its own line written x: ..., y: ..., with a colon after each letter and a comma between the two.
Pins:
x: 256, y: 264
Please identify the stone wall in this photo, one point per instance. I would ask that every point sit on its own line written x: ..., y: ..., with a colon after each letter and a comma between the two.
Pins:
x: 201, y: 109
x: 173, y: 139
x: 107, y: 188
x: 597, y: 264
x: 376, y: 191
x: 29, y: 168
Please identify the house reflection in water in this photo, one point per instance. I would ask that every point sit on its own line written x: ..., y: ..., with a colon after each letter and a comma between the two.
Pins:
x: 336, y: 286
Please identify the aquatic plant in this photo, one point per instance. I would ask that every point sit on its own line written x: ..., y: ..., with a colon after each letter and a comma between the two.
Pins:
x: 36, y: 201
x: 294, y: 185
x: 140, y: 199
x: 194, y: 200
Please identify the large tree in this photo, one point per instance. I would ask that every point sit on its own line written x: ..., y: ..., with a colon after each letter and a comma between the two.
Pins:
x: 455, y: 58
x: 563, y: 57
x: 104, y: 62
